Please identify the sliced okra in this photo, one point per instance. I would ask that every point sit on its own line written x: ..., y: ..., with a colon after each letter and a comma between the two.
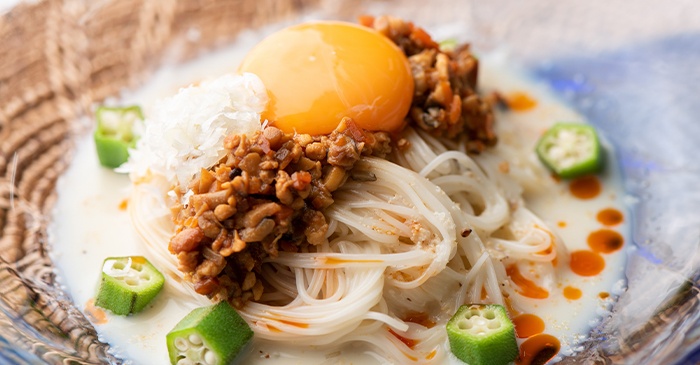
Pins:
x: 482, y: 334
x: 570, y: 150
x: 213, y: 335
x: 114, y: 134
x: 128, y: 284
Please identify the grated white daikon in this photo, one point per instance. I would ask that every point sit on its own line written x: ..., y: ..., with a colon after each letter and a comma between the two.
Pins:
x: 187, y: 131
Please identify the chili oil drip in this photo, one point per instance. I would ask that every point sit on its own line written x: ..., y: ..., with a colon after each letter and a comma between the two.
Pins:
x: 96, y: 314
x: 605, y: 241
x: 528, y: 325
x: 538, y: 349
x: 525, y: 286
x: 610, y: 217
x: 409, y: 342
x: 587, y: 187
x: 520, y: 101
x: 586, y: 263
x: 572, y: 293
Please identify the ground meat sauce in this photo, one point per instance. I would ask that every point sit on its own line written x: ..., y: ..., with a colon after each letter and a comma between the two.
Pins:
x: 445, y: 101
x: 268, y: 194
x: 270, y: 190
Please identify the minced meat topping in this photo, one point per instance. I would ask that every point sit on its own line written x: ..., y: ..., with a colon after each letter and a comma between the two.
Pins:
x: 270, y: 190
x: 266, y: 195
x: 445, y: 101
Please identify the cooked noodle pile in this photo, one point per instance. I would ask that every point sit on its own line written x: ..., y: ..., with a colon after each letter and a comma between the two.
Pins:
x: 433, y: 229
x: 410, y: 237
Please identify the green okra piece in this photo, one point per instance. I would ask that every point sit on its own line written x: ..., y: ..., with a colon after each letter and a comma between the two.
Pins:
x: 570, y: 150
x: 114, y: 134
x: 482, y: 334
x: 213, y: 335
x: 128, y: 284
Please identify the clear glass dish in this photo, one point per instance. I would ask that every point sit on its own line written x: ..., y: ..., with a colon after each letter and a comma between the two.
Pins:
x: 630, y: 69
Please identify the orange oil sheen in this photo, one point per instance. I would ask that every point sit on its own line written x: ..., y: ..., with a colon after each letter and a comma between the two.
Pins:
x: 525, y: 286
x: 572, y: 293
x: 610, y: 217
x: 528, y: 325
x: 605, y: 241
x: 586, y: 263
x: 586, y: 187
x: 538, y: 349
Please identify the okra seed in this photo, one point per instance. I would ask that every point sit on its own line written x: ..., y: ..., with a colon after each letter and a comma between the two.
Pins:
x: 181, y: 344
x: 465, y: 325
x: 198, y: 353
x: 494, y: 324
x: 137, y: 267
x: 118, y: 266
x: 196, y: 340
x: 185, y: 361
x: 204, y: 348
x: 489, y: 315
x: 145, y: 277
x: 209, y: 357
x: 131, y: 282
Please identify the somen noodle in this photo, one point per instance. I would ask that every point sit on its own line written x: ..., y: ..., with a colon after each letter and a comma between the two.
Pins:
x: 423, y: 231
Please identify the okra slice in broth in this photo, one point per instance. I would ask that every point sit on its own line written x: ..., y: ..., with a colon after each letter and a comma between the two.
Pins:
x: 128, y: 284
x: 482, y: 334
x: 571, y: 150
x: 115, y: 133
x: 212, y: 335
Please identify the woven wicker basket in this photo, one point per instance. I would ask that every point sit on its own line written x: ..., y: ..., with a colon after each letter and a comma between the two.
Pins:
x: 62, y: 56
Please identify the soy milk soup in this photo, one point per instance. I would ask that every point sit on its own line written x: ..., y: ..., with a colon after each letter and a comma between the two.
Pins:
x: 91, y: 222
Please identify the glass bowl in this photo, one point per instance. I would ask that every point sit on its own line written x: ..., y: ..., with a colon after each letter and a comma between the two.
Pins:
x: 631, y: 69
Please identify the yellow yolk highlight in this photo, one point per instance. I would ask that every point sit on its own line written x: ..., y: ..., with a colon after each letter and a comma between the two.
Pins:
x: 317, y: 73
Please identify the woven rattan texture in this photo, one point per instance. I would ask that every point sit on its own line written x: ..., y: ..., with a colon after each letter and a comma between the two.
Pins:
x: 59, y: 58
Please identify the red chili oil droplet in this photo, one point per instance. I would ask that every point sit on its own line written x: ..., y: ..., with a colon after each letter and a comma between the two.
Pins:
x: 610, y: 217
x: 528, y: 325
x: 538, y: 349
x: 411, y: 343
x: 572, y: 293
x: 420, y: 318
x: 95, y: 314
x: 520, y: 101
x: 525, y: 286
x: 586, y: 187
x: 605, y: 241
x: 295, y: 324
x: 586, y: 263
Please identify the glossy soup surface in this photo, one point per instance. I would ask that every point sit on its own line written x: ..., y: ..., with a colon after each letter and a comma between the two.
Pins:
x: 91, y: 223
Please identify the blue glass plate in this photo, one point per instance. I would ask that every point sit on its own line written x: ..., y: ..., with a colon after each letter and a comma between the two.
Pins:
x: 632, y: 69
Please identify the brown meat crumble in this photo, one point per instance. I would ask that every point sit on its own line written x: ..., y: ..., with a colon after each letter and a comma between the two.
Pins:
x: 266, y: 195
x: 270, y: 190
x: 445, y: 101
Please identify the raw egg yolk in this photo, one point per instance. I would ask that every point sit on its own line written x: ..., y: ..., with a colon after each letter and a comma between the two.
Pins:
x: 317, y: 73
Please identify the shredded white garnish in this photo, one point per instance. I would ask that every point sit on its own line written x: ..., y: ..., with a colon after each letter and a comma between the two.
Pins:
x: 186, y: 132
